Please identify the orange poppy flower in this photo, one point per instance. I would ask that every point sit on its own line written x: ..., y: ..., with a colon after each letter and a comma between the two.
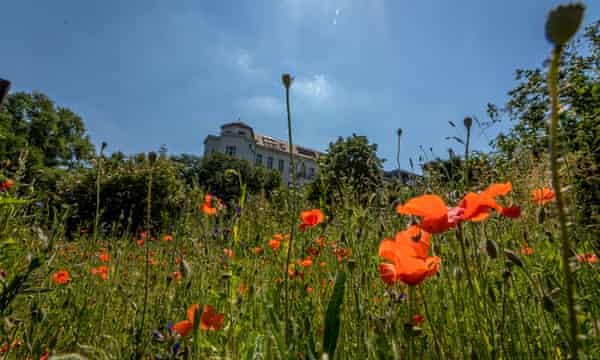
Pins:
x: 6, y: 184
x: 274, y: 244
x: 140, y: 243
x: 104, y: 257
x: 311, y: 218
x: 306, y: 262
x: 431, y: 209
x: 207, y: 207
x: 183, y: 328
x: 209, y: 320
x: 228, y: 252
x: 543, y: 196
x: 168, y: 238
x: 61, y: 277
x: 343, y: 253
x: 177, y: 275
x: 320, y: 241
x: 257, y: 250
x: 477, y: 206
x: 587, y: 258
x: 101, y: 271
x: 408, y: 254
x: 526, y: 250
x: 152, y: 261
x: 309, y: 290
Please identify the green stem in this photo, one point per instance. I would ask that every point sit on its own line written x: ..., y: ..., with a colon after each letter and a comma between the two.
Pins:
x: 292, y: 201
x: 562, y: 218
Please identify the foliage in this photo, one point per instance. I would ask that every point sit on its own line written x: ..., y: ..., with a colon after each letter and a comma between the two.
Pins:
x: 35, y: 130
x: 212, y: 175
x: 123, y: 190
x: 579, y: 123
x: 348, y: 163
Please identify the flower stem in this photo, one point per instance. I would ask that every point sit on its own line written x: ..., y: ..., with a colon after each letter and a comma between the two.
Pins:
x: 287, y: 80
x: 562, y: 219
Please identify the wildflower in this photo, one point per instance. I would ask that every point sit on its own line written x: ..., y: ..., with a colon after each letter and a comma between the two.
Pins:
x: 101, y: 271
x: 587, y: 258
x: 45, y: 356
x: 61, y: 277
x: 178, y: 261
x: 309, y: 290
x: 306, y: 262
x: 543, y: 196
x: 168, y: 238
x: 177, y: 275
x: 418, y: 319
x: 209, y: 320
x: 207, y: 207
x: 228, y: 252
x: 431, y: 209
x: 140, y: 243
x: 104, y: 257
x: 311, y: 218
x: 343, y: 253
x: 320, y: 241
x: 6, y: 185
x: 408, y: 254
x: 312, y: 251
x: 274, y: 244
x: 152, y: 261
x: 477, y: 206
x: 278, y: 280
x: 143, y: 234
x: 323, y: 264
x: 526, y: 250
x: 257, y: 250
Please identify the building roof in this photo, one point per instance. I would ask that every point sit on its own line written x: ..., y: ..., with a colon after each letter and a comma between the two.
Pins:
x: 283, y: 146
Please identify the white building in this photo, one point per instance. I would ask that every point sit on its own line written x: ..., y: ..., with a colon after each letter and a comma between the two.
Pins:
x: 239, y: 140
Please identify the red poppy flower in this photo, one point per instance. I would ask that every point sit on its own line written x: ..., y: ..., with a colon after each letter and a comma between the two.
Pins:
x: 543, y: 196
x: 526, y: 250
x: 408, y: 254
x: 6, y: 184
x: 168, y: 238
x: 274, y: 244
x: 183, y: 328
x: 140, y: 243
x: 228, y: 252
x: 587, y: 258
x: 418, y: 319
x: 61, y: 277
x: 306, y: 262
x: 477, y: 207
x: 104, y: 257
x: 257, y: 250
x: 207, y: 207
x: 311, y: 218
x: 101, y: 271
x: 431, y: 209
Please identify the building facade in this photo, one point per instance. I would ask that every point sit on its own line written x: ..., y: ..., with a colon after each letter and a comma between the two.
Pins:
x: 239, y: 140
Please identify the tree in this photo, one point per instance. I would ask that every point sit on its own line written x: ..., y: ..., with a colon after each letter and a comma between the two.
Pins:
x: 41, y: 134
x: 349, y: 163
x: 211, y: 174
x: 579, y: 122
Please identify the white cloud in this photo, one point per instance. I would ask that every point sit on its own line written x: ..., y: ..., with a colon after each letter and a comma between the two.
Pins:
x: 317, y: 88
x: 262, y: 104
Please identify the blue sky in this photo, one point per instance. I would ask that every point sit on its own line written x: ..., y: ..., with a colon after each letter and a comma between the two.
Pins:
x: 144, y: 73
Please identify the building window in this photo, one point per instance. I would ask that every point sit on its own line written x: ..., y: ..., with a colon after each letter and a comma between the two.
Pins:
x: 311, y: 172
x: 230, y: 150
x: 281, y: 165
x: 302, y: 170
x: 258, y: 159
x: 270, y: 162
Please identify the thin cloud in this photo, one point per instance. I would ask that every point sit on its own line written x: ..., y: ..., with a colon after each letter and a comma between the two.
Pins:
x: 316, y: 88
x: 269, y: 105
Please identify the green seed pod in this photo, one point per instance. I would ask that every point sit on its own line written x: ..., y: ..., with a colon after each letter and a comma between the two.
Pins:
x: 468, y: 121
x: 513, y: 258
x: 563, y: 22
x: 491, y: 248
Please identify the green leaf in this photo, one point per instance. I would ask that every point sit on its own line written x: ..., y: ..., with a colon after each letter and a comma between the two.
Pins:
x: 332, y: 317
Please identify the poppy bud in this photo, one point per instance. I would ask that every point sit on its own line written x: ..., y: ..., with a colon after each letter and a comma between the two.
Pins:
x: 287, y: 80
x: 563, y: 22
x: 468, y: 121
